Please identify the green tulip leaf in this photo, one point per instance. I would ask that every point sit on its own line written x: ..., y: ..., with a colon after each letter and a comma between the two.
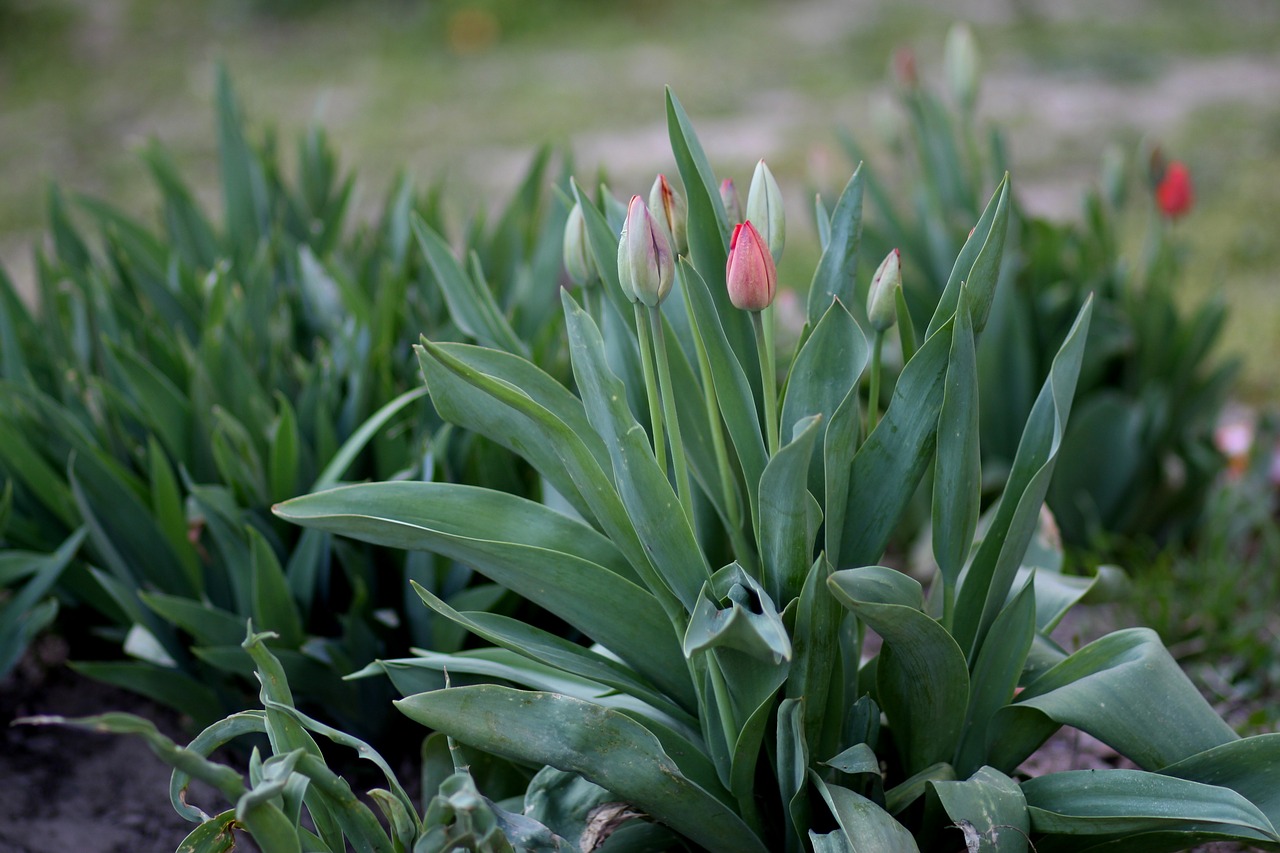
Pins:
x: 836, y: 274
x: 603, y: 746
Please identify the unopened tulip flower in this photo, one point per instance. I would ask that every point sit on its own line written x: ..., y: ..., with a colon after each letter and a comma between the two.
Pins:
x: 764, y: 208
x: 645, y: 264
x: 670, y: 208
x: 1174, y: 194
x: 578, y: 261
x: 750, y: 271
x: 732, y: 204
x: 881, y: 297
x: 960, y: 58
x: 905, y: 74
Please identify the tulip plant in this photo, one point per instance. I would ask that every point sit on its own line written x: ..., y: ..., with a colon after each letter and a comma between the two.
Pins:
x: 736, y: 667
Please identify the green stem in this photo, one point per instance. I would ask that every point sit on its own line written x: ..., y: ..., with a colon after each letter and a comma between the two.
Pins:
x: 651, y: 388
x: 873, y: 402
x: 763, y: 322
x: 948, y: 603
x: 673, y: 421
x: 732, y: 509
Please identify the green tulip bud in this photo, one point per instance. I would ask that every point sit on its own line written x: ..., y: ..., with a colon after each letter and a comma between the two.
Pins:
x: 765, y: 211
x: 881, y: 297
x: 960, y: 58
x: 646, y: 267
x: 672, y: 212
x: 578, y: 261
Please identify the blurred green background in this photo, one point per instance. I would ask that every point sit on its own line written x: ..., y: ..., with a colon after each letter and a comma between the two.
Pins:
x: 464, y: 90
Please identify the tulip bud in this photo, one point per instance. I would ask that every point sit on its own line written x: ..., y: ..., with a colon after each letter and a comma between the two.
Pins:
x: 750, y: 270
x: 960, y: 58
x: 645, y: 265
x: 1114, y: 176
x: 578, y: 261
x: 881, y: 297
x: 903, y: 66
x: 672, y: 213
x: 764, y: 207
x: 732, y: 204
x: 1174, y: 194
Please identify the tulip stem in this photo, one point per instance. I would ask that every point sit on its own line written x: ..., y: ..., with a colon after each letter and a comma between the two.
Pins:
x: 651, y: 388
x: 768, y: 375
x: 873, y: 395
x: 732, y: 509
x: 673, y: 421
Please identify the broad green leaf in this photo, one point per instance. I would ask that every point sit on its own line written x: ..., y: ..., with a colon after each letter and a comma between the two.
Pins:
x: 646, y: 493
x: 603, y: 746
x: 548, y: 558
x: 788, y: 517
x: 996, y: 561
x: 824, y: 371
x: 895, y: 456
x: 988, y: 807
x: 995, y: 677
x: 1124, y: 689
x: 1249, y: 766
x: 922, y: 678
x: 735, y: 612
x: 991, y: 222
x: 816, y: 675
x: 555, y: 651
x: 836, y: 273
x: 793, y: 771
x: 867, y: 827
x: 957, y: 470
x: 1098, y: 802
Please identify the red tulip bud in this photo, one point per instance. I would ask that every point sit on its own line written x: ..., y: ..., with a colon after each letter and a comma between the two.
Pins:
x: 1174, y: 194
x: 750, y: 271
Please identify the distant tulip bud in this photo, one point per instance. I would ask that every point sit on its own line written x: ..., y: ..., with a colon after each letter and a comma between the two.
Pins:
x: 732, y: 204
x: 668, y: 205
x: 578, y: 261
x: 881, y: 298
x: 903, y: 66
x: 645, y: 264
x: 960, y: 58
x: 1174, y: 195
x: 750, y: 270
x: 764, y: 208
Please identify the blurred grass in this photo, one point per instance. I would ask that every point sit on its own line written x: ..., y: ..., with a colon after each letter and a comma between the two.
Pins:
x: 463, y: 90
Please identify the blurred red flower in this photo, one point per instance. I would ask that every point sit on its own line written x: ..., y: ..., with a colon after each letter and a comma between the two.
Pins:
x: 1174, y: 194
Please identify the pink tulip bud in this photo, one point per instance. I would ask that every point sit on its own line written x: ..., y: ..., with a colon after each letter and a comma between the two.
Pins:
x: 644, y: 255
x: 750, y: 271
x: 1174, y: 194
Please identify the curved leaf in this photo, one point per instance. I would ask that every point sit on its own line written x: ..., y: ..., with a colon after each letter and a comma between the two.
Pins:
x: 922, y: 678
x: 1124, y: 689
x: 605, y: 747
x: 548, y: 558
